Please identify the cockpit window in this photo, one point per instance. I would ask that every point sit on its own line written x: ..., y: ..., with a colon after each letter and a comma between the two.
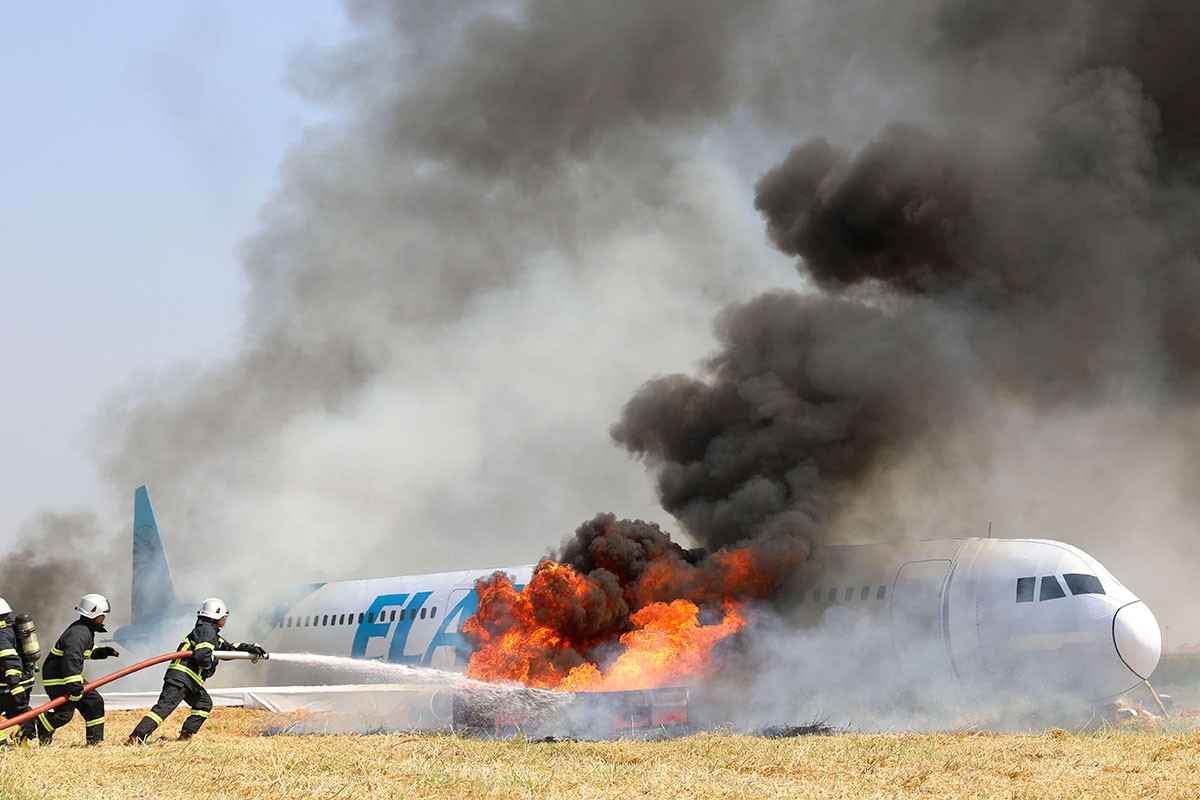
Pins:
x: 1080, y: 583
x: 1051, y: 590
x: 1025, y: 590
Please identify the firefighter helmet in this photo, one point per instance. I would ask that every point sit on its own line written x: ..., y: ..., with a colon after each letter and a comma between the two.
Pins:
x: 5, y: 608
x: 92, y: 605
x: 213, y: 608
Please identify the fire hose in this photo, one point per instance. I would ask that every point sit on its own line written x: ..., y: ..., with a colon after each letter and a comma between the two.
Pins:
x: 223, y: 655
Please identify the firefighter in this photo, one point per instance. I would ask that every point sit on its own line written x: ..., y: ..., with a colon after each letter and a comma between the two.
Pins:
x: 184, y: 681
x: 14, y: 677
x: 62, y: 673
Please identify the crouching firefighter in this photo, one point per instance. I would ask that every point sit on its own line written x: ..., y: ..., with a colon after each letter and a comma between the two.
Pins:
x: 16, y: 671
x: 62, y: 674
x: 184, y: 681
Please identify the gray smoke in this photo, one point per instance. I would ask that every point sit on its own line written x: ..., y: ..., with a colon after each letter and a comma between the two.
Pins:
x: 57, y: 558
x: 439, y: 282
x: 1039, y: 254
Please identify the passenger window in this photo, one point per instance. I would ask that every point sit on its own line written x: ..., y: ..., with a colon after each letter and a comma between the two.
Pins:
x: 1079, y: 583
x: 832, y: 595
x: 402, y: 615
x: 881, y: 592
x: 342, y: 620
x: 325, y: 620
x: 422, y: 613
x: 360, y: 618
x: 393, y: 616
x: 370, y: 616
x: 849, y: 593
x: 1025, y: 590
x: 816, y: 595
x: 1051, y: 590
x: 433, y: 613
x: 289, y: 622
x: 864, y: 593
x: 308, y: 622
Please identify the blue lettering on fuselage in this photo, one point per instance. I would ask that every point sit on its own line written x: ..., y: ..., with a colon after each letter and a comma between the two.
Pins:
x: 378, y: 628
x: 455, y: 639
x: 448, y: 633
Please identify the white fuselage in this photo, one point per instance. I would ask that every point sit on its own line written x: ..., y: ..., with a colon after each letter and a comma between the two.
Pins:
x: 992, y: 617
x: 1029, y: 617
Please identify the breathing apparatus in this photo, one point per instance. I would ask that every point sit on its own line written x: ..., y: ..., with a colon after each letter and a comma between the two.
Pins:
x: 27, y: 641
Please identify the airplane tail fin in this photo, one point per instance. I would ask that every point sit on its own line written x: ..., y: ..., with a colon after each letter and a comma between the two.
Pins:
x: 153, y: 591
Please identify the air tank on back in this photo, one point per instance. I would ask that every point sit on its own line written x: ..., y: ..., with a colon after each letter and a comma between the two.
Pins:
x: 27, y: 640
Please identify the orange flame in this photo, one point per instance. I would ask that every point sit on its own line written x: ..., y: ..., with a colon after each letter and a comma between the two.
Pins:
x: 669, y: 646
x: 575, y: 632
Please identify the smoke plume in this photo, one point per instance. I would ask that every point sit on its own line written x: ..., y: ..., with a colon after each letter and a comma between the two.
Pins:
x: 525, y: 211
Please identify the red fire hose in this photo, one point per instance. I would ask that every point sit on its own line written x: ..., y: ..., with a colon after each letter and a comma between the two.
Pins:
x: 121, y: 673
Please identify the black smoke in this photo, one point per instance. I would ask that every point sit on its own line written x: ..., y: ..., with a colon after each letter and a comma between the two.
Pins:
x: 1042, y: 255
x: 808, y: 395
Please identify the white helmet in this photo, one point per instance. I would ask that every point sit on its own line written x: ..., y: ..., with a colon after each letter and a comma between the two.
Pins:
x: 92, y: 605
x: 5, y: 608
x: 213, y: 608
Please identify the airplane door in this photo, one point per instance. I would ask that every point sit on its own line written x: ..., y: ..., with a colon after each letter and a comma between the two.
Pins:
x: 918, y: 622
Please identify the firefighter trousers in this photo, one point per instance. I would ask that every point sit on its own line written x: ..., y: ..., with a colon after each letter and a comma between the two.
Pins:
x: 91, y: 708
x: 172, y: 695
x: 9, y: 708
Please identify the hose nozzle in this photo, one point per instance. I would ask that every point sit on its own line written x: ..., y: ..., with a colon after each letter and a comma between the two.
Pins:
x: 238, y: 655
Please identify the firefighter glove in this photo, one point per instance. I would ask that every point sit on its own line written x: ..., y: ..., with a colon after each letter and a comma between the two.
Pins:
x: 105, y: 652
x: 257, y: 650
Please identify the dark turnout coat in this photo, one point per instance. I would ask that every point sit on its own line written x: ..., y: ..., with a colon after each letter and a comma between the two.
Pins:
x: 64, y: 665
x: 204, y: 640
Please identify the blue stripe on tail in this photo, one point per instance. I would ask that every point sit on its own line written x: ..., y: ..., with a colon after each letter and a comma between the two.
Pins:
x: 153, y: 592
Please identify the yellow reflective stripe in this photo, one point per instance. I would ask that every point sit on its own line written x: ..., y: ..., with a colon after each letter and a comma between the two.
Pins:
x: 13, y: 672
x: 196, y: 713
x: 54, y: 651
x: 193, y: 675
x: 42, y: 719
x: 202, y: 645
x: 7, y: 652
x: 157, y: 719
x: 62, y: 681
x: 87, y: 653
x: 92, y: 722
x: 18, y: 689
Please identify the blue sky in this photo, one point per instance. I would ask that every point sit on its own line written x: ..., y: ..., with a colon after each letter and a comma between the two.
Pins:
x: 138, y: 142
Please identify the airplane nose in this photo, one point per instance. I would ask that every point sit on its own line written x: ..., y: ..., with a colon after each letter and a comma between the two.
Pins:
x: 1137, y: 637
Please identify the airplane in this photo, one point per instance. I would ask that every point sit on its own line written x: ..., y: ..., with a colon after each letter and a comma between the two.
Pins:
x: 996, y: 618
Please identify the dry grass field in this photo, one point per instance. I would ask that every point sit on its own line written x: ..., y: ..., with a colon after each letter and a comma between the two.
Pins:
x: 230, y: 759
